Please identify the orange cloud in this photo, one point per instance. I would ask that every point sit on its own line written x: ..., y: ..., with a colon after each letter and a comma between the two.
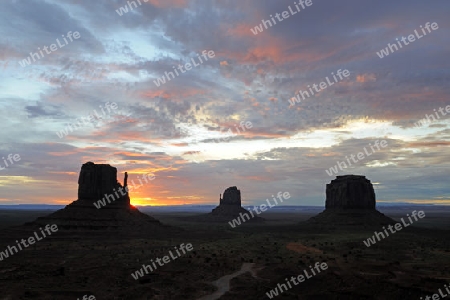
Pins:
x: 172, y: 93
x: 64, y: 173
x: 132, y: 154
x: 156, y: 94
x: 276, y: 50
x: 366, y: 78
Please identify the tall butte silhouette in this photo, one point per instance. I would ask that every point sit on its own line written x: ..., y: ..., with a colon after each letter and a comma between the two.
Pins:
x: 99, y: 182
x: 350, y: 200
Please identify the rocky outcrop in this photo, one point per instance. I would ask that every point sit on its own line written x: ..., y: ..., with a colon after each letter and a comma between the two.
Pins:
x: 230, y: 208
x: 350, y: 192
x: 350, y: 200
x: 99, y: 181
x: 230, y: 204
x: 231, y: 196
x: 96, y: 180
x: 94, y: 183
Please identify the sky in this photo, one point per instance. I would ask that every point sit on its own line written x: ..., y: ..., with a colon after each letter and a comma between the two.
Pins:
x: 226, y: 120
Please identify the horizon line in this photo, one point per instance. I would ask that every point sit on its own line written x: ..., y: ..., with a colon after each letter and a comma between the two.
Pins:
x: 139, y: 205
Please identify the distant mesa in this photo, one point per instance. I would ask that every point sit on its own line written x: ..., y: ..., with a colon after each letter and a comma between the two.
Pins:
x: 350, y: 192
x: 231, y: 196
x: 96, y: 180
x: 230, y: 206
x: 350, y: 200
x: 94, y: 183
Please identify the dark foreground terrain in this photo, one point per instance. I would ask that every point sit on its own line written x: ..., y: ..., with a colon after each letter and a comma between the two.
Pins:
x: 406, y: 265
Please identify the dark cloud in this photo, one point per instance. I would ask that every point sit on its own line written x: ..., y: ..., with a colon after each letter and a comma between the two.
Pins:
x: 42, y: 110
x: 165, y: 128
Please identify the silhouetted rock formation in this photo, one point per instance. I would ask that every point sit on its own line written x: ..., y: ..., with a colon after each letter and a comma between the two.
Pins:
x: 350, y: 200
x: 230, y: 206
x: 350, y: 191
x: 98, y: 181
x: 231, y: 196
x: 95, y: 183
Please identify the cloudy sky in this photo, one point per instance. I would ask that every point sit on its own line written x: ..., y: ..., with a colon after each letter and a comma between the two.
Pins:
x: 185, y: 131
